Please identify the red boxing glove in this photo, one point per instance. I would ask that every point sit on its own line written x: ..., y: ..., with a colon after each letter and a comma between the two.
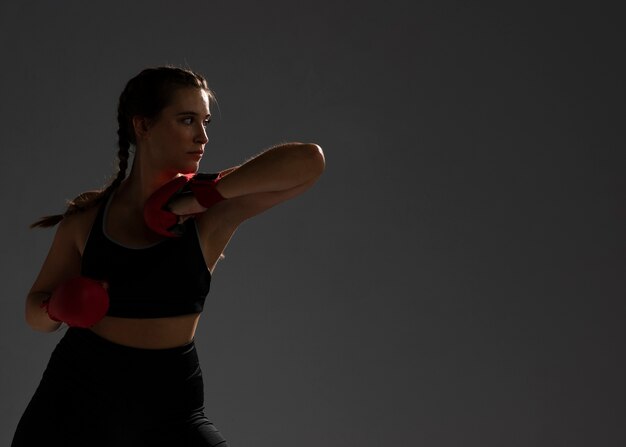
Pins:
x: 79, y: 302
x: 157, y: 215
x: 203, y: 187
x: 161, y: 219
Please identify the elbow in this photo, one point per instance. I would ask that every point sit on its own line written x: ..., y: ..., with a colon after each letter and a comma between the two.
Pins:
x: 315, y: 158
x: 319, y: 156
x: 34, y: 323
x: 29, y: 318
x: 37, y: 319
x: 43, y: 326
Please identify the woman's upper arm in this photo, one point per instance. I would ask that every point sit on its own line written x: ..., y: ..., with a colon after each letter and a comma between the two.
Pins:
x: 219, y: 223
x: 61, y: 263
x: 63, y: 259
x: 273, y: 177
x: 238, y: 209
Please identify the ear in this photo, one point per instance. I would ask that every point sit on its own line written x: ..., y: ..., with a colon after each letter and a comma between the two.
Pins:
x: 141, y: 125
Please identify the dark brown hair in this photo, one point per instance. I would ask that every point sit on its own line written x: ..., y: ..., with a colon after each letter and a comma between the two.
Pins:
x: 144, y: 95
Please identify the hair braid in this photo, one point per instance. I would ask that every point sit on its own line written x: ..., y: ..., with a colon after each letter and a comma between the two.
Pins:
x: 123, y: 154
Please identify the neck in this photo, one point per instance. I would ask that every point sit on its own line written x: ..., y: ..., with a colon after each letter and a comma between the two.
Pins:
x: 141, y: 183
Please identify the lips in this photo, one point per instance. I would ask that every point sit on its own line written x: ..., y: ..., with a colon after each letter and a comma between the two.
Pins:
x: 198, y: 153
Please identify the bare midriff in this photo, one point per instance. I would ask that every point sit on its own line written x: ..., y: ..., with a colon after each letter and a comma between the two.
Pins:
x: 148, y: 333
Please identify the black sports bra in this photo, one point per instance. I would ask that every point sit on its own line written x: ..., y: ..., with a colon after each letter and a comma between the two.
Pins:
x: 166, y: 279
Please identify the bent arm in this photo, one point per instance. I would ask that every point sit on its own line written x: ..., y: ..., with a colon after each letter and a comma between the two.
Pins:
x: 280, y: 168
x: 62, y: 262
x: 276, y: 175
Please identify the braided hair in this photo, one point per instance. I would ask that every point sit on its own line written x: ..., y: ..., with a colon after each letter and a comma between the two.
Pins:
x: 144, y: 95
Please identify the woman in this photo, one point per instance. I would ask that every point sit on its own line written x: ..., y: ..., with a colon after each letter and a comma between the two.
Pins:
x: 130, y: 266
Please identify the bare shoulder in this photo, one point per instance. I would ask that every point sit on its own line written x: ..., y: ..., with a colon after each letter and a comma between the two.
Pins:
x: 85, y: 196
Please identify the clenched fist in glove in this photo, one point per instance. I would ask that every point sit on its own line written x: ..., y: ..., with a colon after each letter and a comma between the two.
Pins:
x: 79, y: 302
x: 157, y: 212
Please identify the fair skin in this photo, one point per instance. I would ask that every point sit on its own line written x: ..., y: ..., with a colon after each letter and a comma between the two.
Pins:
x: 170, y: 145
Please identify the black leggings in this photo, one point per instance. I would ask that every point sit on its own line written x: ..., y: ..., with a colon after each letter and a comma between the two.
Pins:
x: 98, y: 393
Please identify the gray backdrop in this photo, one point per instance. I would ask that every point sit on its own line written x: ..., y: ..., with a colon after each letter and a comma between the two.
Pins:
x: 456, y: 277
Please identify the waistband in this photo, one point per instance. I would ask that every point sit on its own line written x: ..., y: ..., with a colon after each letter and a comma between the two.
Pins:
x: 159, y: 381
x: 83, y: 354
x: 98, y: 345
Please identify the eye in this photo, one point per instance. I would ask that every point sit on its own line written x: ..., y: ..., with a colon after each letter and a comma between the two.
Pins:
x: 187, y: 121
x: 206, y: 122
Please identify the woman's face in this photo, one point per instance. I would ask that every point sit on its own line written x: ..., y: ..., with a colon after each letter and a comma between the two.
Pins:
x: 175, y: 141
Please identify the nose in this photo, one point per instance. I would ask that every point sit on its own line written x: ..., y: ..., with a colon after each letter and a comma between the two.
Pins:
x: 201, y: 136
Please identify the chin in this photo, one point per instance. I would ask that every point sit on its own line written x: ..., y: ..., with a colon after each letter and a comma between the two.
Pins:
x: 189, y: 169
